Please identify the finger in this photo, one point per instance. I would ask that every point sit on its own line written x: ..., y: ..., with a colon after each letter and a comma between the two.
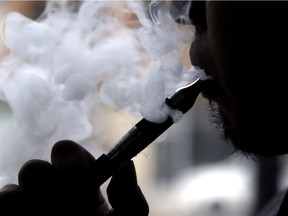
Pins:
x: 36, y: 177
x: 72, y: 164
x: 37, y: 185
x: 9, y: 190
x: 10, y: 199
x: 124, y: 193
x: 69, y: 156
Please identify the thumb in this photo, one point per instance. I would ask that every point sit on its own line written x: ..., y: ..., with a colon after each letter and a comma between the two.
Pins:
x: 124, y: 193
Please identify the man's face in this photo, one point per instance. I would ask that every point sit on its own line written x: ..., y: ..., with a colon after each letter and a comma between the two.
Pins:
x: 232, y: 44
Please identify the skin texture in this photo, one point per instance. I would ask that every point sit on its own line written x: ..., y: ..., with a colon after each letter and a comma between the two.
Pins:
x: 242, y: 45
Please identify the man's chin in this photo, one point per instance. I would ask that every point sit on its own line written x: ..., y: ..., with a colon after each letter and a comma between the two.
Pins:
x: 247, y: 140
x: 255, y: 145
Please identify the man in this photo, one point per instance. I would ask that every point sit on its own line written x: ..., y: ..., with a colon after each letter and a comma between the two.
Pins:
x: 243, y: 46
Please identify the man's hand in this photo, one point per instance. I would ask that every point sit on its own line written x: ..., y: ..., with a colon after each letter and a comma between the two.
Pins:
x: 64, y: 187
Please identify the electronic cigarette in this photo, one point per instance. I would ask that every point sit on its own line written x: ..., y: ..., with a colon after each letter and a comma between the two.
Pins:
x: 144, y: 133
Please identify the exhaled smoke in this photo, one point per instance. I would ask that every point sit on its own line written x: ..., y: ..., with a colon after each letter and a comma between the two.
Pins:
x: 78, y: 58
